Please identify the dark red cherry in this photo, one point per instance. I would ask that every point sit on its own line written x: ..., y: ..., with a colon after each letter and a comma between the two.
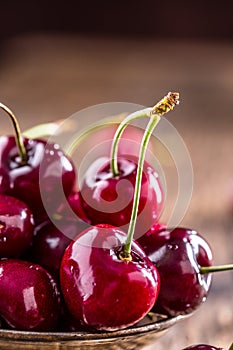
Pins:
x: 50, y: 241
x: 16, y: 227
x: 28, y: 179
x: 29, y: 298
x: 73, y: 204
x: 68, y: 323
x: 178, y: 255
x: 151, y: 240
x: 4, y: 181
x: 202, y: 347
x: 108, y: 199
x: 101, y: 288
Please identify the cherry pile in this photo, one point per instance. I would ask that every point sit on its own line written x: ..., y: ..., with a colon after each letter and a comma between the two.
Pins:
x: 112, y: 263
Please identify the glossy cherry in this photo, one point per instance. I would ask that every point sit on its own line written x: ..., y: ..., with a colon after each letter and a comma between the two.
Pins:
x: 4, y: 181
x: 102, y: 289
x: 27, y: 180
x: 73, y: 204
x: 16, y: 227
x: 106, y: 198
x: 29, y: 167
x: 202, y: 347
x: 50, y: 241
x: 68, y: 323
x: 29, y: 298
x: 178, y: 255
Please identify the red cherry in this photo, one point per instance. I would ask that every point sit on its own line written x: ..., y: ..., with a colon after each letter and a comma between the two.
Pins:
x: 34, y: 169
x: 178, y: 255
x: 29, y: 298
x: 100, y: 288
x: 16, y: 227
x: 27, y: 180
x: 50, y: 241
x: 73, y: 203
x: 4, y: 181
x: 202, y: 347
x: 108, y: 199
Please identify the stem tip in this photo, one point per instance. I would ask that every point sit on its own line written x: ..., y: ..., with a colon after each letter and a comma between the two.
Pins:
x: 166, y: 104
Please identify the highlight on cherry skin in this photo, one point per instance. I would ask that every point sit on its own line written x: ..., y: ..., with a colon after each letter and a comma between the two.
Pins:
x: 23, y: 167
x: 16, y: 227
x: 178, y: 254
x: 29, y: 297
x: 50, y: 240
x: 106, y: 198
x: 98, y: 282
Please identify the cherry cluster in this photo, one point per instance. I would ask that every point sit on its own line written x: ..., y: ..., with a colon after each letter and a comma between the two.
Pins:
x: 109, y: 266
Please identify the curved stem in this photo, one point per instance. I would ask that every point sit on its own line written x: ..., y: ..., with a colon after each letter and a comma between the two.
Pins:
x: 114, y: 149
x: 162, y: 107
x: 231, y: 347
x: 209, y: 269
x: 18, y: 137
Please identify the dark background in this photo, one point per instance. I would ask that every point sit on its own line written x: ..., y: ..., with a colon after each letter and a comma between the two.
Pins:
x: 173, y: 19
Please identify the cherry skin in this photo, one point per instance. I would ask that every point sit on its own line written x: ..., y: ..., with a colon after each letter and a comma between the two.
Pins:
x: 16, y: 227
x: 73, y: 204
x: 28, y: 179
x: 50, y: 241
x: 100, y: 289
x: 178, y: 255
x: 29, y: 298
x: 202, y: 347
x: 68, y: 323
x: 4, y: 181
x: 108, y: 199
x: 151, y: 240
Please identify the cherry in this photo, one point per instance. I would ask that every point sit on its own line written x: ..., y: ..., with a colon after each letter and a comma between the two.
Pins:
x: 121, y: 191
x: 4, y: 181
x: 16, y: 227
x: 50, y: 241
x: 178, y: 255
x: 109, y: 199
x: 98, y: 282
x: 25, y: 178
x: 151, y: 240
x: 202, y: 347
x: 73, y: 203
x: 68, y: 323
x: 29, y: 298
x: 103, y: 268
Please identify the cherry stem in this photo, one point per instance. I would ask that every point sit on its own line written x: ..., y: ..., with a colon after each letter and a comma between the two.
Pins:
x: 209, y: 269
x: 144, y: 113
x: 231, y: 347
x: 18, y: 137
x: 162, y: 107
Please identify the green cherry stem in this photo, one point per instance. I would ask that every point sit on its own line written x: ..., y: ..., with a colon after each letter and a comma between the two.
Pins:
x: 162, y: 107
x: 145, y: 140
x: 18, y: 137
x: 144, y: 113
x: 209, y: 269
x: 231, y: 347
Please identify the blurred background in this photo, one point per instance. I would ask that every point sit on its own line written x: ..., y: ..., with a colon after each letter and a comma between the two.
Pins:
x: 59, y: 57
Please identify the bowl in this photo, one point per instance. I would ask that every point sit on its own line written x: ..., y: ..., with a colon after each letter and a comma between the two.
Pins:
x: 135, y: 337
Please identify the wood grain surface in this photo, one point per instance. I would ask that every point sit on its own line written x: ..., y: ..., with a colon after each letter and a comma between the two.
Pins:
x: 44, y: 78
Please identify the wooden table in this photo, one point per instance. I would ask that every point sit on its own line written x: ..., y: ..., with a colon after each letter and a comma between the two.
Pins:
x: 45, y: 78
